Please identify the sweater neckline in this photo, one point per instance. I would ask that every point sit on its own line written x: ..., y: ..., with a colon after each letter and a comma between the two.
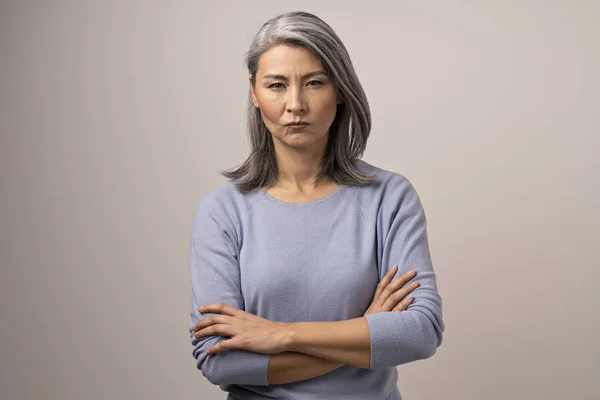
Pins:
x: 329, y: 196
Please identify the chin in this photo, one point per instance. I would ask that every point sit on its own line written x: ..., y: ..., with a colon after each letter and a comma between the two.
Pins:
x: 298, y: 143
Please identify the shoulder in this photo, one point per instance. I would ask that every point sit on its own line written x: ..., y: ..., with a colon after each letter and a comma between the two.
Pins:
x: 225, y: 202
x: 389, y: 187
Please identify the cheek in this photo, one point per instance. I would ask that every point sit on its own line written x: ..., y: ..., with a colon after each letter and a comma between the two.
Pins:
x: 270, y: 109
x: 327, y: 110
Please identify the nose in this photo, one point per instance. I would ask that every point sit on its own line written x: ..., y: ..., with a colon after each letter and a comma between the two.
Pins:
x: 295, y: 100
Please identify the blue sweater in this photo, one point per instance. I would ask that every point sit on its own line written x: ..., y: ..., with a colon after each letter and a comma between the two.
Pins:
x: 318, y: 260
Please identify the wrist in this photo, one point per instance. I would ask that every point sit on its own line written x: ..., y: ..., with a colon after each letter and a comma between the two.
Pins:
x: 288, y: 335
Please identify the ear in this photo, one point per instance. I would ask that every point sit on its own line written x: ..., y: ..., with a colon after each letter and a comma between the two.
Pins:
x: 254, y: 100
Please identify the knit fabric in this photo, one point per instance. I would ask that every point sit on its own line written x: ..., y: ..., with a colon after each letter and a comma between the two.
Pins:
x: 319, y: 260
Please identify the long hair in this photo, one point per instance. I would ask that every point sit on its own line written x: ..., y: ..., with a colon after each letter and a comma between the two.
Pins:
x: 349, y: 130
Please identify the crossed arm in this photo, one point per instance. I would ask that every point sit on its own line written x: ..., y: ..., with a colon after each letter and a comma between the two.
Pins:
x: 309, y: 349
x: 300, y: 351
x: 319, y: 348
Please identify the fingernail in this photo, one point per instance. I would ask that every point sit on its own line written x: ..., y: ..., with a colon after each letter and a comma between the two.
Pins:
x: 394, y: 268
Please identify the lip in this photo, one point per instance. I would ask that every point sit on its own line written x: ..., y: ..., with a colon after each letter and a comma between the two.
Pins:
x: 296, y: 127
x: 297, y: 124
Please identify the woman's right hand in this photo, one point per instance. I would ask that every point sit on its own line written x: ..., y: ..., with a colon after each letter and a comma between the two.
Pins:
x: 392, y: 295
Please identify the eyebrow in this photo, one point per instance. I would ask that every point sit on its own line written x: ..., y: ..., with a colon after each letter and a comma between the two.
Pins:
x: 284, y: 78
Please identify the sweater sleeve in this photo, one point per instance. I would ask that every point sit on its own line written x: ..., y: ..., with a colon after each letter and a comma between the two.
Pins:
x: 414, y: 334
x: 215, y: 277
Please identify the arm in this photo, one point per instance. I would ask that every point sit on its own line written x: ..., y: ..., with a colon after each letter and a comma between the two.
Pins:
x: 344, y: 342
x: 401, y: 337
x: 214, y: 273
x: 386, y: 339
x: 288, y: 367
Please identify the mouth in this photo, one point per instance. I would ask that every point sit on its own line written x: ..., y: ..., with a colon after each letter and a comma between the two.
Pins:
x: 298, y: 125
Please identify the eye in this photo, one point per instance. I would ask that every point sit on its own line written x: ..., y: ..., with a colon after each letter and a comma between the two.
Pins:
x: 273, y: 85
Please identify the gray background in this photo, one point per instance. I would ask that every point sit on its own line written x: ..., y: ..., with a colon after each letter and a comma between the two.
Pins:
x: 116, y: 115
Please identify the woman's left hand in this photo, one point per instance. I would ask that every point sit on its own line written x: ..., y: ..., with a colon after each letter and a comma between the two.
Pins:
x: 247, y: 331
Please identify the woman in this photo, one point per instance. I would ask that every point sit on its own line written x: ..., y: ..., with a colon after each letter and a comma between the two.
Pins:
x: 293, y: 260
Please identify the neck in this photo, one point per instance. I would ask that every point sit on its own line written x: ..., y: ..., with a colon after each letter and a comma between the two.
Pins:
x: 298, y: 168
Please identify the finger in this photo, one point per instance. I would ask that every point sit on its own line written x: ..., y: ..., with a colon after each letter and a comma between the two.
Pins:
x: 223, y: 345
x: 387, y: 278
x: 395, y: 285
x: 220, y: 330
x: 403, y: 305
x: 400, y: 294
x: 212, y: 320
x: 220, y: 308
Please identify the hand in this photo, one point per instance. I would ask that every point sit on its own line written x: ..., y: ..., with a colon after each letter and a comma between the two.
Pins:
x: 247, y: 331
x: 392, y: 296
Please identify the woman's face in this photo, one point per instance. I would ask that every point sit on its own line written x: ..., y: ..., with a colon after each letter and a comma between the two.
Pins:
x: 291, y: 85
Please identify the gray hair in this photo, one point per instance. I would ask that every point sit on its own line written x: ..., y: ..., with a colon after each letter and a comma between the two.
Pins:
x: 349, y: 130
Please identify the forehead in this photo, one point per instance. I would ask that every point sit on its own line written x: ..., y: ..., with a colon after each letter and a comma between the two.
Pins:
x: 286, y: 59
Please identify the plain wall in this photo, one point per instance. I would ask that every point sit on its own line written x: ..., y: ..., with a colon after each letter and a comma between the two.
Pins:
x: 116, y: 117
